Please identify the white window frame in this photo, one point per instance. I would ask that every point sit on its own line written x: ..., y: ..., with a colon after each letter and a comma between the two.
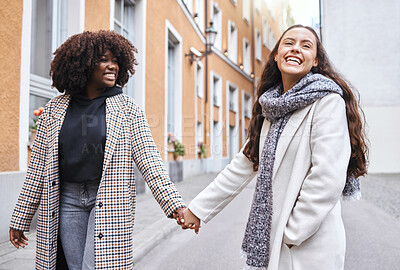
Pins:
x: 246, y: 11
x: 33, y: 84
x: 245, y: 107
x: 233, y: 103
x: 189, y: 5
x: 258, y: 44
x: 235, y: 100
x: 246, y: 56
x: 216, y: 89
x: 199, y: 134
x: 271, y: 39
x: 199, y: 82
x: 265, y: 31
x: 126, y: 25
x: 271, y: 6
x: 199, y: 9
x: 214, y: 140
x: 257, y: 4
x: 139, y: 34
x: 232, y: 42
x: 172, y: 33
x: 217, y: 20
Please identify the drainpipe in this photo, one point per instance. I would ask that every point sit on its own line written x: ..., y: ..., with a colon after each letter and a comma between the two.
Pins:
x: 253, y: 52
x: 320, y: 19
x: 206, y: 18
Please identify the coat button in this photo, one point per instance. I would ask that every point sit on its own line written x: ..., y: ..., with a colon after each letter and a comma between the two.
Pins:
x: 100, y: 235
x: 53, y: 183
x: 53, y: 214
x: 100, y: 204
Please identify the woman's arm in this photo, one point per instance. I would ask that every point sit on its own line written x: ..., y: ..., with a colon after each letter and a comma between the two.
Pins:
x: 322, y: 188
x: 149, y: 163
x: 219, y: 193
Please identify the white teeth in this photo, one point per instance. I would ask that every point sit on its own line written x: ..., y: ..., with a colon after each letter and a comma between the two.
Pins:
x: 110, y: 75
x: 293, y: 59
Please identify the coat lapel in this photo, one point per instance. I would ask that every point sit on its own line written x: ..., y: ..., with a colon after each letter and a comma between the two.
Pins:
x: 287, y: 135
x: 54, y: 127
x: 114, y: 118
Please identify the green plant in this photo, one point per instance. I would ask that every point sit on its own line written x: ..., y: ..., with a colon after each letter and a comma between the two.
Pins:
x: 179, y: 149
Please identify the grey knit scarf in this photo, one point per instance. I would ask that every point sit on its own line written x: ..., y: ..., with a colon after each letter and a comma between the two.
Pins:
x: 278, y: 108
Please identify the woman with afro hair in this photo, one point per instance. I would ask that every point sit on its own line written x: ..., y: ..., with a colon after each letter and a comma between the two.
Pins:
x: 81, y: 171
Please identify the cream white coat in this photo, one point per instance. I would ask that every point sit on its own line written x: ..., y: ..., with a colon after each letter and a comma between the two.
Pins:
x: 308, y: 178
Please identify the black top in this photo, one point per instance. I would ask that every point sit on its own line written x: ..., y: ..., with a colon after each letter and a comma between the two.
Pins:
x: 83, y: 136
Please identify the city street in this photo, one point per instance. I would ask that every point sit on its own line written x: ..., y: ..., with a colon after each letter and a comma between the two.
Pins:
x: 372, y: 229
x: 373, y: 235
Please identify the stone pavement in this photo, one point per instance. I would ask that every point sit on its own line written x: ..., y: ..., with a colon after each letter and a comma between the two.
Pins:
x: 152, y: 227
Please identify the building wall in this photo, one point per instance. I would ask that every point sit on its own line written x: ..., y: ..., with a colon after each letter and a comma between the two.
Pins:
x: 361, y: 38
x: 10, y: 41
x: 97, y: 15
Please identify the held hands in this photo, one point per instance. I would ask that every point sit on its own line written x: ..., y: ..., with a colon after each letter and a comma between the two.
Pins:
x: 187, y: 219
x: 18, y: 239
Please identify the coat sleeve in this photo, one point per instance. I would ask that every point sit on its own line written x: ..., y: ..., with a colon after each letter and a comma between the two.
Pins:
x: 322, y: 188
x: 151, y: 166
x: 226, y: 186
x: 30, y: 195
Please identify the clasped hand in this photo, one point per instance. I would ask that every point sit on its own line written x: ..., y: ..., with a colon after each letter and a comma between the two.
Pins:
x: 187, y: 220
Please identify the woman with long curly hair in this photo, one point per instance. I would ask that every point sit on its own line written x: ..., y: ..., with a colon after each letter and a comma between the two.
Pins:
x: 81, y: 171
x: 306, y: 144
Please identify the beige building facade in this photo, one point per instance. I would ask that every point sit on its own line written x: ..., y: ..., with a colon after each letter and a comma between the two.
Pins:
x: 206, y: 101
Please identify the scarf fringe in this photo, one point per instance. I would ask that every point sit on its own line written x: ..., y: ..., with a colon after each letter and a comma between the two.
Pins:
x: 356, y: 196
x: 243, y: 254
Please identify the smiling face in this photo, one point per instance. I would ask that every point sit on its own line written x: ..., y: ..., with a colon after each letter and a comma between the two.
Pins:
x: 104, y: 74
x: 296, y: 55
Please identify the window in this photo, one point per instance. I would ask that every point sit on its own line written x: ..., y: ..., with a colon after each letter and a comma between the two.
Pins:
x: 271, y: 6
x: 232, y: 98
x: 199, y: 80
x: 258, y: 44
x: 246, y: 56
x: 247, y: 105
x: 199, y: 133
x: 232, y: 41
x: 271, y: 39
x: 124, y: 25
x: 257, y: 4
x: 173, y: 83
x: 171, y: 88
x: 216, y: 18
x: 265, y: 31
x: 123, y: 18
x: 199, y: 11
x: 189, y: 5
x: 52, y: 23
x: 49, y: 31
x: 217, y: 91
x: 246, y: 10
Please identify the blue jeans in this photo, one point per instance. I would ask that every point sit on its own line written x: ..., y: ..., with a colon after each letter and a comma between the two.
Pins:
x: 77, y: 210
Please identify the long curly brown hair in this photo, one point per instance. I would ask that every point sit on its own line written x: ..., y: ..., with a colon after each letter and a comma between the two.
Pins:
x: 76, y: 58
x: 271, y: 77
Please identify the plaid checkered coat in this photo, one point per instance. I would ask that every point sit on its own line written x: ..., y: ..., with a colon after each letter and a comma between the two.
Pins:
x: 128, y: 141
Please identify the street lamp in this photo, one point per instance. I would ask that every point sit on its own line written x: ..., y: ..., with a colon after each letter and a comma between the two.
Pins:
x: 211, y: 34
